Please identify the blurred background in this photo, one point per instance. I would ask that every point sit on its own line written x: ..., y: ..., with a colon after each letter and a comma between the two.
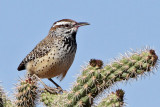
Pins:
x: 116, y: 26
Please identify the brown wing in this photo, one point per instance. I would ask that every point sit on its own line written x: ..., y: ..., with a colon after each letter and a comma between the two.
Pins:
x: 39, y: 51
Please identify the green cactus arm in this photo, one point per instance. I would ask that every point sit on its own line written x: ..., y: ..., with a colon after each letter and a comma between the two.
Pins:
x: 1, y: 97
x: 4, y: 100
x: 114, y: 99
x: 53, y: 100
x: 47, y: 98
x: 26, y: 92
x: 94, y: 79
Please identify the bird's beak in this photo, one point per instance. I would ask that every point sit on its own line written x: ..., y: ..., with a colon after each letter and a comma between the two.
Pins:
x: 82, y: 24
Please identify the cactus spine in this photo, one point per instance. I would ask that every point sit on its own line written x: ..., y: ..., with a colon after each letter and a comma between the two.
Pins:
x: 113, y: 100
x: 27, y: 94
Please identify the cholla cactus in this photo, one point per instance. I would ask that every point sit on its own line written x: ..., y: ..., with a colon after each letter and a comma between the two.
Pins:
x: 4, y: 100
x: 1, y: 96
x: 47, y: 98
x: 26, y: 95
x: 54, y: 100
x: 93, y: 80
x: 113, y: 99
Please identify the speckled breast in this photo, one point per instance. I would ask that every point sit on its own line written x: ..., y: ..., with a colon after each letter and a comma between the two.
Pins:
x: 55, y: 63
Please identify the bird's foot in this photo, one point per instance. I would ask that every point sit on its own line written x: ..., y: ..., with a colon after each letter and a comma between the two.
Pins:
x: 53, y: 90
x: 57, y: 90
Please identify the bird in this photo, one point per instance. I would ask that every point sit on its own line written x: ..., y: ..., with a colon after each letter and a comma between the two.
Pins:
x: 53, y: 56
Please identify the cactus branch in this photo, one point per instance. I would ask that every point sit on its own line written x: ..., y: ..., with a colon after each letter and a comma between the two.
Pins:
x: 27, y: 93
x: 94, y: 79
x: 113, y: 99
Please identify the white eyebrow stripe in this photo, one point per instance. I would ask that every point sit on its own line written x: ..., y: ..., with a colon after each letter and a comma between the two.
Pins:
x: 60, y: 23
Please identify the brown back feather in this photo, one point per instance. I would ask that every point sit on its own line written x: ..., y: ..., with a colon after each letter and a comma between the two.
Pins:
x: 39, y: 51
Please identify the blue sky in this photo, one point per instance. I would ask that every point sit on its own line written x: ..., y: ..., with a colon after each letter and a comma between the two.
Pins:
x: 116, y: 26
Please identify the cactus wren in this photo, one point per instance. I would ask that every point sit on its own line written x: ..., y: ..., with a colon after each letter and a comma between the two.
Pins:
x: 54, y: 55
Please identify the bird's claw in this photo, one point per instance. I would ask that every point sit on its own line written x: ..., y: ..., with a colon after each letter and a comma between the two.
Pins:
x: 54, y: 90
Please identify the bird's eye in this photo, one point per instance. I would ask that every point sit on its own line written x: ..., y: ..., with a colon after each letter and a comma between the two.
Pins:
x: 67, y: 25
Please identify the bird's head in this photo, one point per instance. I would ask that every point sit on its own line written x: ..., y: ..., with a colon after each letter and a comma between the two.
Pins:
x: 66, y: 27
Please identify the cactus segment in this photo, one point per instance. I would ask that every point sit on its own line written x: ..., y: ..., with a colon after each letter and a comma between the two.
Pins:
x: 27, y: 93
x: 114, y: 99
x: 95, y: 79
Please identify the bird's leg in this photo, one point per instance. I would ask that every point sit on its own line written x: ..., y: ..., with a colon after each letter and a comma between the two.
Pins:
x: 55, y: 84
x: 51, y: 90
